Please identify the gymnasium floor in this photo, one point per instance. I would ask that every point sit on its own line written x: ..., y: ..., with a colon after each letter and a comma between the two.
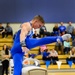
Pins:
x: 62, y: 73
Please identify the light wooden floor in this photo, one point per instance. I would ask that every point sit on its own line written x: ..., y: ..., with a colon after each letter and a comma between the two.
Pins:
x: 62, y: 73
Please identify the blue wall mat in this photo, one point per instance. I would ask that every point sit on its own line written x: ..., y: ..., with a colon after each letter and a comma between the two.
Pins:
x: 25, y: 10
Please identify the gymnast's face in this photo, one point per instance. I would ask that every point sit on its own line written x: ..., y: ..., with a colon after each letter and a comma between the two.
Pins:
x: 37, y: 24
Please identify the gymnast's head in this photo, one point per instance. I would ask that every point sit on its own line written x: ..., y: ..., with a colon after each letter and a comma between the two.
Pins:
x: 37, y: 21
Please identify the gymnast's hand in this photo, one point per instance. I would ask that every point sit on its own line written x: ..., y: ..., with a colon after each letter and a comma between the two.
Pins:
x: 25, y: 49
x: 23, y: 46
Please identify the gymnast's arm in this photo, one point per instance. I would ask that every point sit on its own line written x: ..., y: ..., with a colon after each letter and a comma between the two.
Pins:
x: 25, y: 28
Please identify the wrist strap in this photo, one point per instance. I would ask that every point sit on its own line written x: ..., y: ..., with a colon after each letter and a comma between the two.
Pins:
x: 23, y: 44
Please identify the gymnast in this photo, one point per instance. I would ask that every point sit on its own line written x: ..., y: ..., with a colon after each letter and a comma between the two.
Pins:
x: 23, y: 41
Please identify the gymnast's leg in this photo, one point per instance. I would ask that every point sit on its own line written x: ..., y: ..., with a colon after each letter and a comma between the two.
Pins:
x: 17, y: 58
x: 31, y: 43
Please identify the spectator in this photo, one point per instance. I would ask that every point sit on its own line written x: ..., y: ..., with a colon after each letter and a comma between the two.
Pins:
x: 46, y: 55
x: 42, y: 48
x: 73, y: 34
x: 5, y: 59
x: 36, y: 35
x: 8, y: 30
x: 69, y: 28
x: 43, y: 31
x: 54, y: 56
x: 59, y: 46
x: 72, y: 55
x: 73, y: 43
x: 2, y: 31
x: 62, y: 29
x: 56, y: 30
x: 66, y: 46
x: 32, y: 55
